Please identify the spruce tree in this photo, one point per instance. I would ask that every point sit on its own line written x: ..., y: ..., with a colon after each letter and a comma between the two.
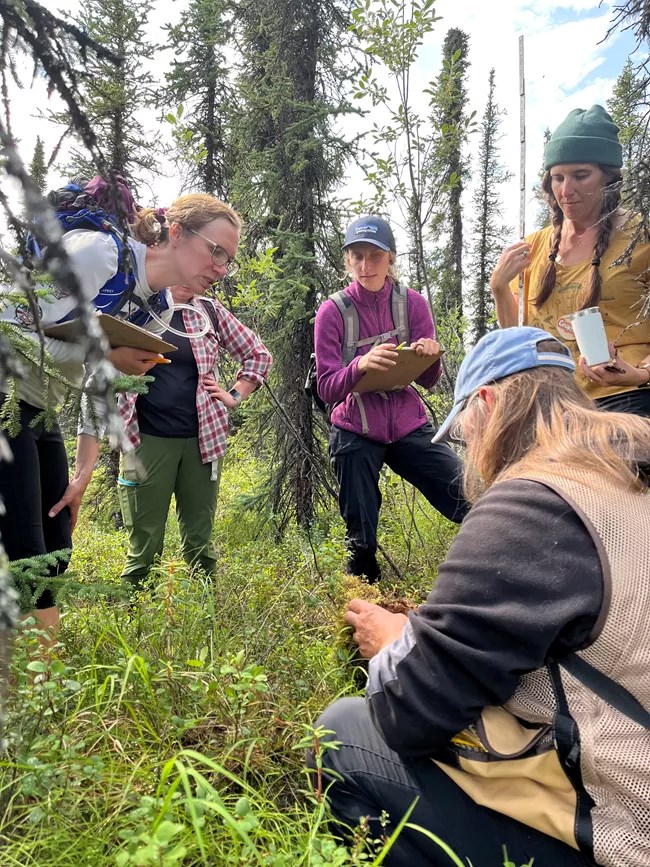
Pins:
x: 200, y: 82
x: 114, y: 95
x: 450, y: 115
x: 288, y: 162
x: 489, y: 233
x: 634, y: 16
x: 37, y: 167
x: 626, y: 106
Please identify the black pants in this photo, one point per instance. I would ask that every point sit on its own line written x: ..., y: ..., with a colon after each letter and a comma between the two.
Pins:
x: 373, y: 779
x: 434, y: 469
x: 29, y: 486
x: 636, y: 401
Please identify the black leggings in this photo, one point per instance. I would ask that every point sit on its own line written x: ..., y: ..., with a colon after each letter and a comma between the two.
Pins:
x: 365, y: 778
x: 29, y: 486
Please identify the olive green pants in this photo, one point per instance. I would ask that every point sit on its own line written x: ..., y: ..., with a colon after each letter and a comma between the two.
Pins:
x: 171, y: 466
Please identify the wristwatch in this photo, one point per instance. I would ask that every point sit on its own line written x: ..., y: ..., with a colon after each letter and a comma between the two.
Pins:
x: 235, y: 395
x: 645, y: 367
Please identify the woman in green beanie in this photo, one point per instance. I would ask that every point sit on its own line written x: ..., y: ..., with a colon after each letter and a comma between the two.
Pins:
x: 569, y: 265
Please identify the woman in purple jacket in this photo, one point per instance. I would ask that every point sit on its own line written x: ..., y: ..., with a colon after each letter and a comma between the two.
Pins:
x: 377, y: 428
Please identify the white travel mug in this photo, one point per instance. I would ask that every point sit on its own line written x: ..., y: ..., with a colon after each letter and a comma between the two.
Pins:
x: 589, y: 332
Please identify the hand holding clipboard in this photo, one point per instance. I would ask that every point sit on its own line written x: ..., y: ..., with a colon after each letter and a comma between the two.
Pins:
x: 387, y: 366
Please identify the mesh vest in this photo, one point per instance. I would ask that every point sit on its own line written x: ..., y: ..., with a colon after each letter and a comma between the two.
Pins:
x: 614, y: 759
x: 557, y: 757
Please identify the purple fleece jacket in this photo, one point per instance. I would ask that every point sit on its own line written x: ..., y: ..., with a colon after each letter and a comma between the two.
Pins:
x: 396, y: 414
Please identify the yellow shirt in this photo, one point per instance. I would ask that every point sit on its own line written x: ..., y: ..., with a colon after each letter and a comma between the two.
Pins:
x: 620, y: 303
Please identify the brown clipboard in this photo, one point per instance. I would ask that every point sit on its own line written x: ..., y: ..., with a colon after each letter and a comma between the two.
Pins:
x: 117, y: 331
x: 409, y: 366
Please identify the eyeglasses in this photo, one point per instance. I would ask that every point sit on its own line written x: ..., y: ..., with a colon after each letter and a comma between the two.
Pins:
x: 219, y: 255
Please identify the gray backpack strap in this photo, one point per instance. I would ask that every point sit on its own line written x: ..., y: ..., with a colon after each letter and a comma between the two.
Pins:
x: 350, y: 325
x: 399, y: 309
x: 350, y: 316
x: 377, y: 338
x: 362, y: 412
x: 212, y: 315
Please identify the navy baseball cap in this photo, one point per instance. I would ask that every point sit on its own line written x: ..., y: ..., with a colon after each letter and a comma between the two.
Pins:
x: 499, y: 354
x: 371, y: 230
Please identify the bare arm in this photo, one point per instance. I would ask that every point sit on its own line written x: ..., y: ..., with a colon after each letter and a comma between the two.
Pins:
x: 245, y: 387
x: 87, y: 450
x: 506, y: 307
x: 512, y: 262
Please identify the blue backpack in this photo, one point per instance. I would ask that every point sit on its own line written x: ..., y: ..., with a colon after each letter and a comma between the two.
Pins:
x: 76, y: 209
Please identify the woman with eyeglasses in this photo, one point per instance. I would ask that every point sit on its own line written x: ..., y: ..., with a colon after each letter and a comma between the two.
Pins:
x: 192, y: 244
x: 178, y: 430
x: 579, y: 262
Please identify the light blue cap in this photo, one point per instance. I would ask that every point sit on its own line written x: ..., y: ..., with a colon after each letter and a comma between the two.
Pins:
x: 498, y: 354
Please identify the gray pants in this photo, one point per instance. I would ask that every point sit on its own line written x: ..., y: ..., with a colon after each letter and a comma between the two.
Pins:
x: 373, y: 779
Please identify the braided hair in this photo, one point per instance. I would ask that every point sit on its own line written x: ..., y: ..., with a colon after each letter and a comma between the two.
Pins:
x: 611, y: 195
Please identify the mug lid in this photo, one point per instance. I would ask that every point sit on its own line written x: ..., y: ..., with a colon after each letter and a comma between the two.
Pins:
x: 586, y: 312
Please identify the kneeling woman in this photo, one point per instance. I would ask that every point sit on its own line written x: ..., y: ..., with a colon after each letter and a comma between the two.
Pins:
x: 515, y: 701
x: 379, y: 428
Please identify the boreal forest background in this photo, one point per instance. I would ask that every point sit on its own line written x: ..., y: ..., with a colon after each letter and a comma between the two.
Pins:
x: 172, y: 730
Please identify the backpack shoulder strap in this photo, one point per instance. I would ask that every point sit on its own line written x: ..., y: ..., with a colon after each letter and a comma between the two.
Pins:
x: 211, y: 310
x: 350, y: 318
x: 399, y: 309
x: 614, y: 693
x: 119, y: 291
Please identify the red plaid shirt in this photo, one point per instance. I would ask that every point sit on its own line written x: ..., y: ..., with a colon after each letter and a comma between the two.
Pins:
x: 241, y: 344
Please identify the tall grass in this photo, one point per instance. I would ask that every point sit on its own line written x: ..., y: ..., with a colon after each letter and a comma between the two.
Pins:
x: 171, y: 730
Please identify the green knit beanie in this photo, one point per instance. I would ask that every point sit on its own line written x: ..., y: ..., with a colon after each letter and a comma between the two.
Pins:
x: 585, y: 137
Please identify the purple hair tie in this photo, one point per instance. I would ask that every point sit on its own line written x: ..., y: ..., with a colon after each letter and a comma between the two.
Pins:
x: 552, y: 257
x: 595, y: 261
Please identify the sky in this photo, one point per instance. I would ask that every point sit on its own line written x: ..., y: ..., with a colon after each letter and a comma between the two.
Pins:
x: 567, y: 66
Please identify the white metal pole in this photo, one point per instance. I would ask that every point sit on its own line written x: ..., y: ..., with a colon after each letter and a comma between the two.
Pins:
x: 522, y: 172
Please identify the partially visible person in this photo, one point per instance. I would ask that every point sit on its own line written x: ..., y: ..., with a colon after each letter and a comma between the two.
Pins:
x: 179, y: 428
x: 512, y: 708
x: 570, y: 265
x: 41, y: 502
x: 377, y: 428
